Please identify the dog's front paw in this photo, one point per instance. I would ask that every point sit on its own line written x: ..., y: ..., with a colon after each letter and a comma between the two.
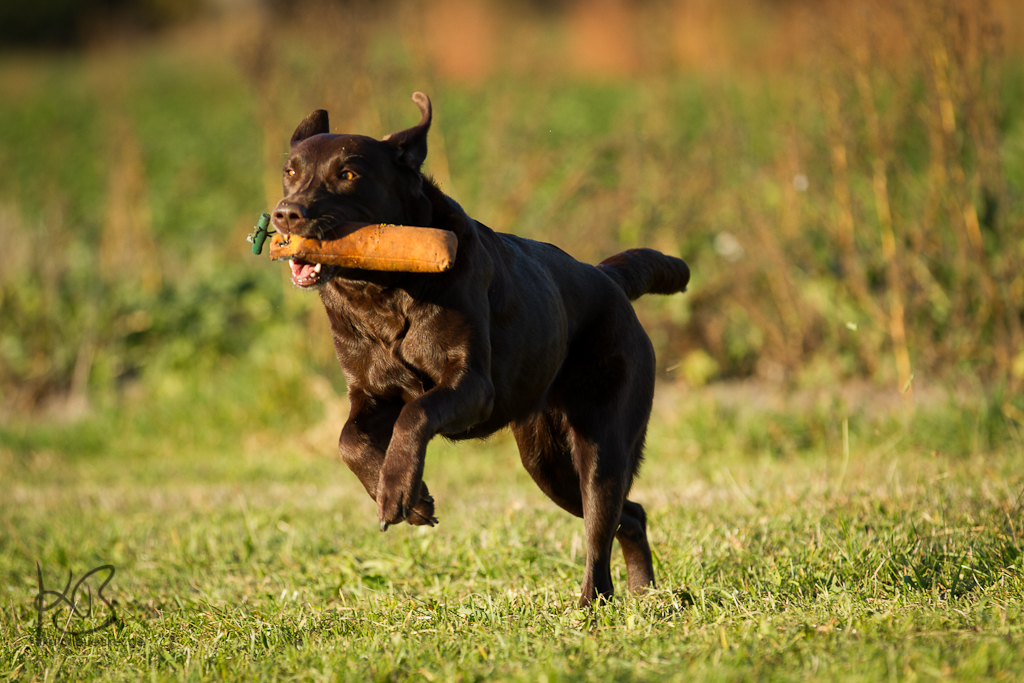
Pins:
x: 423, y: 512
x: 391, y: 509
x: 395, y: 502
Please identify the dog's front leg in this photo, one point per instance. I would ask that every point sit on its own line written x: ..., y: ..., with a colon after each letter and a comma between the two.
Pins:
x: 363, y: 446
x: 446, y: 408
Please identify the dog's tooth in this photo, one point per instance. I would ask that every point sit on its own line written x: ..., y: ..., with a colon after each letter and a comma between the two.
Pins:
x: 317, y: 269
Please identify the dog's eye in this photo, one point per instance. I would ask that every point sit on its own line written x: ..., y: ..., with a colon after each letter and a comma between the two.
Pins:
x: 347, y: 175
x: 290, y: 172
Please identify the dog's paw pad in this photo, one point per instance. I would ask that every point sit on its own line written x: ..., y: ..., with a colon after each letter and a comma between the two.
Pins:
x: 423, y: 513
x: 417, y: 518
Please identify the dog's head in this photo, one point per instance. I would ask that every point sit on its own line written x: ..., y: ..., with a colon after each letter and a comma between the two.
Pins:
x: 333, y: 179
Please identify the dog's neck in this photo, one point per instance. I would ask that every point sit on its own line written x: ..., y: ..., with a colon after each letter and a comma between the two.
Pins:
x: 446, y: 214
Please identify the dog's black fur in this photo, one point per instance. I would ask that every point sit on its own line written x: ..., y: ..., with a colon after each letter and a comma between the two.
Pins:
x: 517, y: 333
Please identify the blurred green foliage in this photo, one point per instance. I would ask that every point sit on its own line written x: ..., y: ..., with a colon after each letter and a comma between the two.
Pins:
x: 65, y: 306
x: 130, y: 174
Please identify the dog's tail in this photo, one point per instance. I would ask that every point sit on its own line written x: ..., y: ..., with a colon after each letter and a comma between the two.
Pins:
x: 643, y: 271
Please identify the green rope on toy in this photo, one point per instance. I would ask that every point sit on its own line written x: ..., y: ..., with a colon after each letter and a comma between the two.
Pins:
x: 259, y: 234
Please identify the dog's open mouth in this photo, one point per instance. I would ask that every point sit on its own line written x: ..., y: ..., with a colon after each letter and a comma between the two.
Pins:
x: 305, y: 274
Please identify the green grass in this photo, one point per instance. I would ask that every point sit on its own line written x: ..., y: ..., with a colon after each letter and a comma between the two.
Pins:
x: 254, y: 555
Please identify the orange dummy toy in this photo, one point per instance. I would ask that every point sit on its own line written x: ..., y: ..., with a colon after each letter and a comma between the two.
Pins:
x: 402, y: 248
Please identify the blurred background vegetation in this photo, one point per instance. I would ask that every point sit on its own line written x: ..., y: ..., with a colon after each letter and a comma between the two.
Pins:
x: 846, y: 180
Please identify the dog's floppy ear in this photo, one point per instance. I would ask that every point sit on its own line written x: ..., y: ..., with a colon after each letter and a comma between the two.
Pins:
x: 411, y: 143
x: 314, y: 124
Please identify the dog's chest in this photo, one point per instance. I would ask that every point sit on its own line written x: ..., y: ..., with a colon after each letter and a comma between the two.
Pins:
x: 381, y: 347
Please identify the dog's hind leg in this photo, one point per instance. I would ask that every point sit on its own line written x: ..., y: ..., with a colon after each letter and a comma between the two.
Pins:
x: 544, y: 448
x: 606, y: 388
x: 363, y: 445
x: 632, y: 537
x: 561, y: 462
x: 555, y: 455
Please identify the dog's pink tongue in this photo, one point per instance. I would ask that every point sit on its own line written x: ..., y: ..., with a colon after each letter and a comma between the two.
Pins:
x: 301, y: 270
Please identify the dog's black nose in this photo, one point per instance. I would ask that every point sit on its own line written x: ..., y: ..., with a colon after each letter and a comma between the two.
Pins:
x: 288, y: 216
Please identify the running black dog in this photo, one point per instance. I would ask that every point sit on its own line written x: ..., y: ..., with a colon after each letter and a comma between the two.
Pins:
x: 517, y: 333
